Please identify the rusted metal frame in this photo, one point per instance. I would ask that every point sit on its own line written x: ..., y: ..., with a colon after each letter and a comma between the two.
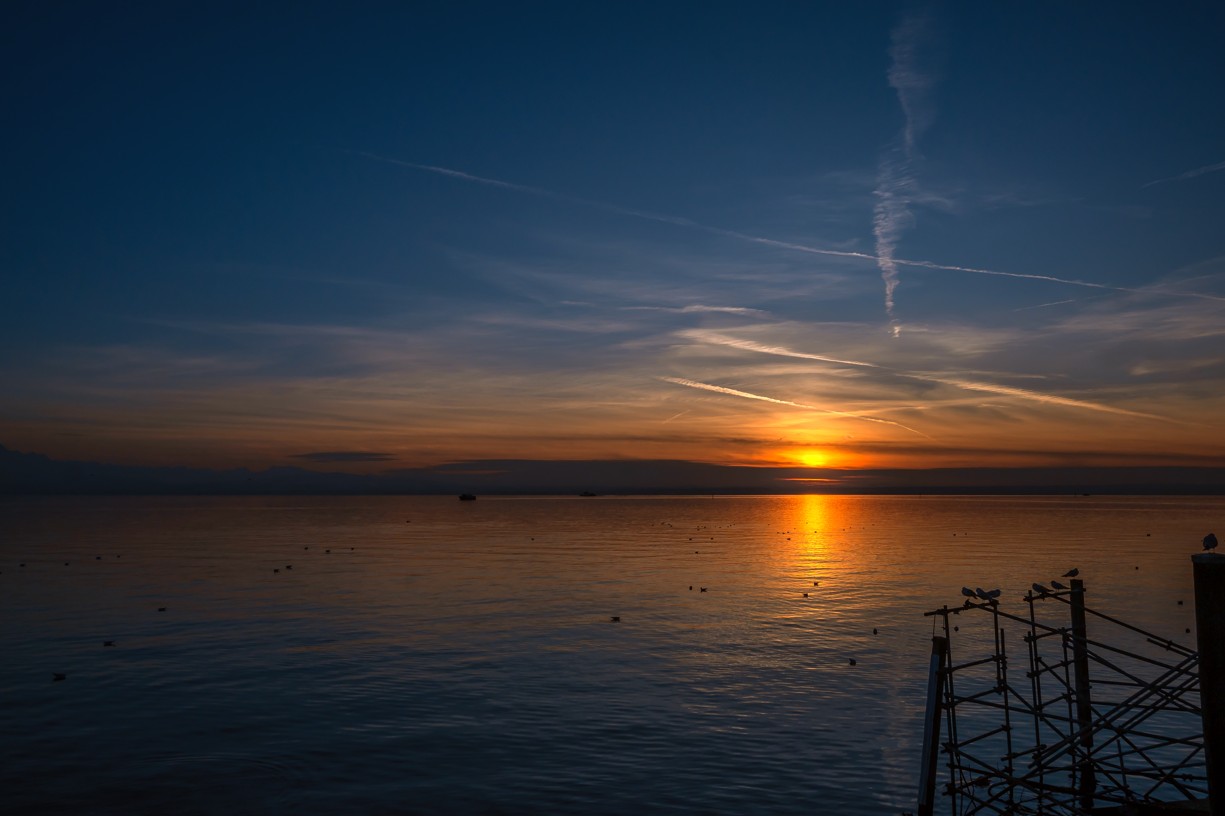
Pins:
x: 1151, y: 637
x: 1163, y: 741
x: 1186, y: 661
x: 1141, y: 696
x: 1001, y: 679
x: 1035, y: 680
x: 950, y: 715
x: 1124, y: 735
x: 1160, y: 641
x: 961, y: 745
x: 1170, y: 778
x: 1158, y: 684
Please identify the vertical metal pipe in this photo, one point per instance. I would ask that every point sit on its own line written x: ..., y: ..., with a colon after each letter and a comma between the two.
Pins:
x: 931, y: 725
x: 1084, y: 710
x: 1209, y: 569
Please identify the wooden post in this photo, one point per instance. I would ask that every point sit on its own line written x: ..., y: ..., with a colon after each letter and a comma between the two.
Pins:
x: 1209, y: 569
x: 1084, y: 710
x: 931, y: 725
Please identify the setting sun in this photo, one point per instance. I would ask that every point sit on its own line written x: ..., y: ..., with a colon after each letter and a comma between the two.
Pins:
x: 813, y: 458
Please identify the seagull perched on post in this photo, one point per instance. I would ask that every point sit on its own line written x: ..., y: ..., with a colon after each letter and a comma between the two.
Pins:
x: 1210, y: 542
x: 969, y: 593
x: 1072, y: 573
x: 1041, y: 590
x: 1058, y: 585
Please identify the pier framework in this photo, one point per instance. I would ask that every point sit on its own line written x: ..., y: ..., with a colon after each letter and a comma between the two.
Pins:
x: 1068, y: 710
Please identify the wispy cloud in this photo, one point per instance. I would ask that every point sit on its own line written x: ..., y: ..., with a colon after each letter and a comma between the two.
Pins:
x: 719, y: 389
x: 330, y: 457
x: 1190, y: 174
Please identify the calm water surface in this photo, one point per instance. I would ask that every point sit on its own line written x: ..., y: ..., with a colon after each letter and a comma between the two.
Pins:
x: 430, y: 656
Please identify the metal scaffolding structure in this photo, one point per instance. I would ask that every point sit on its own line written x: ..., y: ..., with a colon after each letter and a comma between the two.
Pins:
x: 1080, y: 724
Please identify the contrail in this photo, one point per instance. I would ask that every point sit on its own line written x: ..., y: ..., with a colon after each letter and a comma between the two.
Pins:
x: 697, y: 308
x: 967, y: 385
x: 895, y: 179
x: 718, y: 389
x: 757, y: 239
x: 1199, y: 171
x: 715, y: 338
x: 1035, y: 396
x: 1044, y: 305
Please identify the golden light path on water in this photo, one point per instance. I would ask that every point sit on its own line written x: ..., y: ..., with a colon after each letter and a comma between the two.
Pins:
x: 451, y: 656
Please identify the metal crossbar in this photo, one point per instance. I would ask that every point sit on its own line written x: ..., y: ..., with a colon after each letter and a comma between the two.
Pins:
x: 1112, y: 719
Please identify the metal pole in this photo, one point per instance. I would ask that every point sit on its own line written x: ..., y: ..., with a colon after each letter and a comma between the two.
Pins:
x: 1209, y: 569
x: 931, y: 725
x: 1084, y: 710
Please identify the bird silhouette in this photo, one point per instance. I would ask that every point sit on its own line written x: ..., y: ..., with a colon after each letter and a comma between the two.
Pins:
x: 1210, y: 542
x: 852, y: 661
x: 1058, y: 585
x: 1041, y: 590
x: 702, y: 589
x: 108, y: 643
x: 969, y: 593
x: 615, y: 619
x: 1072, y: 573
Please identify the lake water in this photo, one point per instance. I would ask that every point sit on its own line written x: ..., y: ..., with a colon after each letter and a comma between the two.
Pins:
x: 425, y: 655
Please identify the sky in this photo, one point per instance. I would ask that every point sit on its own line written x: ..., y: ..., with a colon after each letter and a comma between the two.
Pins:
x: 828, y: 235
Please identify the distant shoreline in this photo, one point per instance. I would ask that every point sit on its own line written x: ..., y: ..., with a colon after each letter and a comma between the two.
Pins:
x: 36, y: 474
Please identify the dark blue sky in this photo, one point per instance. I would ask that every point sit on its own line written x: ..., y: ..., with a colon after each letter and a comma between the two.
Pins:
x: 236, y: 233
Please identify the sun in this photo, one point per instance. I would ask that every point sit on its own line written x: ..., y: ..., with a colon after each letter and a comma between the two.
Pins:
x: 813, y: 458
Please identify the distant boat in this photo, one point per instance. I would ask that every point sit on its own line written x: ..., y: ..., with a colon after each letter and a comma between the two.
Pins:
x: 466, y: 497
x: 587, y: 493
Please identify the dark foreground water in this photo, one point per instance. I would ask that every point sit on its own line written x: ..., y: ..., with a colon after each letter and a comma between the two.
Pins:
x: 425, y: 655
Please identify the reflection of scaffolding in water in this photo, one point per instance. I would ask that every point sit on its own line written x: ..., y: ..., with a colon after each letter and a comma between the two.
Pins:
x: 1088, y: 725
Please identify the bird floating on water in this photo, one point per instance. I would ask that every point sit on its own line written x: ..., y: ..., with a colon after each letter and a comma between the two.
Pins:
x: 615, y: 619
x: 1072, y: 573
x: 108, y: 643
x: 1210, y: 542
x: 56, y: 677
